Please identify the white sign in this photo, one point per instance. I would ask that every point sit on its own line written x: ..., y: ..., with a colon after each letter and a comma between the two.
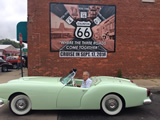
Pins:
x: 97, y: 20
x: 69, y: 20
x: 83, y: 14
x: 82, y: 54
x: 83, y: 30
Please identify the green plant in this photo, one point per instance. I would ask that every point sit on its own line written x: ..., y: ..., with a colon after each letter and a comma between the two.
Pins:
x: 119, y: 73
x: 10, y: 42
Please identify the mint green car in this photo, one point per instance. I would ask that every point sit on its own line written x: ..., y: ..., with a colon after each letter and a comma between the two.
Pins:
x: 110, y: 94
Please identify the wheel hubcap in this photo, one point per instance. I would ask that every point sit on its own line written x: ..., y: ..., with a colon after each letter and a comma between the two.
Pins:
x: 14, y: 66
x: 21, y: 104
x: 4, y: 69
x: 111, y: 104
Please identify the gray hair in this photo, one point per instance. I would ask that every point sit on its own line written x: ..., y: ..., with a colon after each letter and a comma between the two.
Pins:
x: 86, y: 73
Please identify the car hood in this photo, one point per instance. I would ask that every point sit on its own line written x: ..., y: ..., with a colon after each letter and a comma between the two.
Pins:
x: 4, y: 63
x: 36, y: 79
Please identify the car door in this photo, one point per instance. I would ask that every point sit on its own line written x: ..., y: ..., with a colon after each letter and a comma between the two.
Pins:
x: 70, y: 97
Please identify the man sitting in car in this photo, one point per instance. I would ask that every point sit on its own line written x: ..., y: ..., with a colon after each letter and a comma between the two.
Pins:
x: 86, y: 83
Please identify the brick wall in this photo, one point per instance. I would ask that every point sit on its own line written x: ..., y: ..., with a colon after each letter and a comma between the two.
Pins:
x: 137, y: 42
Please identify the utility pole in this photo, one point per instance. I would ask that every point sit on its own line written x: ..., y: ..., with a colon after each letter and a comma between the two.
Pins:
x: 20, y: 40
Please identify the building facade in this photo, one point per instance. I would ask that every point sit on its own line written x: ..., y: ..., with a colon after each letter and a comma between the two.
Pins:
x: 130, y: 32
x: 8, y: 50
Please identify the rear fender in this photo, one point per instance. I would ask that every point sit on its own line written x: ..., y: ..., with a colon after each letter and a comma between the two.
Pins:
x: 92, y: 98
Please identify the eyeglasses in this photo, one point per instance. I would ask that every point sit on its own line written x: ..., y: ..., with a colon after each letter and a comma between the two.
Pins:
x: 84, y: 75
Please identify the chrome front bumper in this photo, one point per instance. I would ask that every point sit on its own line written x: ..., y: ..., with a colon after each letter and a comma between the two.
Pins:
x: 1, y: 103
x: 149, y: 100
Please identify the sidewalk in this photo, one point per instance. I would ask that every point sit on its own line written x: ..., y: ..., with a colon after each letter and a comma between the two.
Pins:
x: 14, y: 74
x: 148, y: 83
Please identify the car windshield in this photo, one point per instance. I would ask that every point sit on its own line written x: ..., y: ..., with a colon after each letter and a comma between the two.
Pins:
x: 65, y: 80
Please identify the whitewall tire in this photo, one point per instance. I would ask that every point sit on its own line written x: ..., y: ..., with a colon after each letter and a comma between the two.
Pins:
x: 20, y: 105
x: 112, y: 104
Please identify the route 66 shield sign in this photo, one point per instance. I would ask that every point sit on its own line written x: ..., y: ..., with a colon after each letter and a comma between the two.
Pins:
x: 83, y: 30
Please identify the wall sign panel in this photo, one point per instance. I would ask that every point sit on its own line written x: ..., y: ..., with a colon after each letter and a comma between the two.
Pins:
x: 80, y: 30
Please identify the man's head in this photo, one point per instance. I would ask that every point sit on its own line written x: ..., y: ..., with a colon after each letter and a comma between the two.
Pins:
x: 85, y: 75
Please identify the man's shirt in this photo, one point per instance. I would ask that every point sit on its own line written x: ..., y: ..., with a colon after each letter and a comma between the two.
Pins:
x: 86, y: 84
x: 19, y: 60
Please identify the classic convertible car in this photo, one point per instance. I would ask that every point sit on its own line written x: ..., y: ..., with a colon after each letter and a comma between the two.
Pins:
x: 110, y: 94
